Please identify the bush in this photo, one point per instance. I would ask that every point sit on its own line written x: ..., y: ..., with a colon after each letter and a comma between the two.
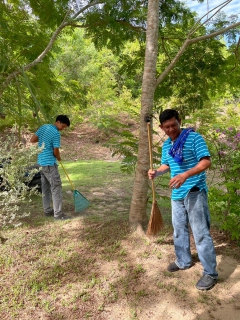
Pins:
x: 15, y: 160
x: 224, y: 196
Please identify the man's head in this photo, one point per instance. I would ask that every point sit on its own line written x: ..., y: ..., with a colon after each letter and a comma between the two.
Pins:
x: 62, y: 121
x: 169, y: 114
x: 170, y: 123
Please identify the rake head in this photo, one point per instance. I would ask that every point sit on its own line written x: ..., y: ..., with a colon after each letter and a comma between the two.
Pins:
x: 80, y: 202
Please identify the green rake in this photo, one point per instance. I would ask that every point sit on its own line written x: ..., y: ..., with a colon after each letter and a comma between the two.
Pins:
x: 80, y: 202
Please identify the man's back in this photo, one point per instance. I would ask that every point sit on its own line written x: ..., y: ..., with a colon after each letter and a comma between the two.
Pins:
x: 48, y: 138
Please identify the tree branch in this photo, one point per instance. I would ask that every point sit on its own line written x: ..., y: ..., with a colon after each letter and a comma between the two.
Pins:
x: 38, y: 59
x: 188, y: 42
x: 129, y: 25
x: 91, y: 4
x: 214, y: 34
x: 101, y: 23
x: 48, y: 47
x: 197, y: 25
x: 172, y: 64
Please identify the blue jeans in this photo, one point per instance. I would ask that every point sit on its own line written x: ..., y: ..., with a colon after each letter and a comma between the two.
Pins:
x: 193, y: 210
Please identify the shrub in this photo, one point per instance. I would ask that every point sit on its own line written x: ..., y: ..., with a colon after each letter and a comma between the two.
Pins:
x: 15, y: 173
x: 224, y: 196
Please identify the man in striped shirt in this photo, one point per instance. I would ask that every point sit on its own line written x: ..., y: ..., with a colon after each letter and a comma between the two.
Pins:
x: 189, y: 195
x: 48, y: 138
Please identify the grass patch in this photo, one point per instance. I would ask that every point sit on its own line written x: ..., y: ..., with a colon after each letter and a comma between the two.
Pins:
x: 92, y: 174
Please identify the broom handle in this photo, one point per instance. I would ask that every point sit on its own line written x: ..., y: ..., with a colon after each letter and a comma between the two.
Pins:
x: 67, y: 176
x: 151, y: 159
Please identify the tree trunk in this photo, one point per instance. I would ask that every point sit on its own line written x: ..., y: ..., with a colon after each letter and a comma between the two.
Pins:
x: 139, y: 198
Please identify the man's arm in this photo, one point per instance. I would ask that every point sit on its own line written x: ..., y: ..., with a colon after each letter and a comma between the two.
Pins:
x: 34, y: 138
x: 56, y: 153
x: 178, y: 180
x: 152, y: 174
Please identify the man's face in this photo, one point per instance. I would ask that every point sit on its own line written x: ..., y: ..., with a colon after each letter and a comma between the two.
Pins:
x: 171, y: 128
x: 60, y: 125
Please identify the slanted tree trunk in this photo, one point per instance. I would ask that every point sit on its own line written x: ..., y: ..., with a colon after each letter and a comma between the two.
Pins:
x: 139, y: 198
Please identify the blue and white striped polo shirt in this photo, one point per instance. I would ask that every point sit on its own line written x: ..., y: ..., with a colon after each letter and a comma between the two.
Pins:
x: 48, y: 135
x: 194, y: 149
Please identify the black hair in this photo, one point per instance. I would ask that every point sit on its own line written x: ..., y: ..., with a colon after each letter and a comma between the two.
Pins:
x: 168, y: 114
x: 63, y: 119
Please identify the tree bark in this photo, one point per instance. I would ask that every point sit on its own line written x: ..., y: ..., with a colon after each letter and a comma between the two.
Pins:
x: 139, y: 198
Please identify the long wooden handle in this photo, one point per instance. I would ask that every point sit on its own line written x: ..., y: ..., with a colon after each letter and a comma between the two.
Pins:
x: 150, y: 145
x: 67, y: 176
x: 151, y: 159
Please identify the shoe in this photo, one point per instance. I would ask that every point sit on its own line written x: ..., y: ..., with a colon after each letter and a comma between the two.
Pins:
x: 49, y: 214
x: 205, y: 283
x: 172, y: 267
x: 62, y: 217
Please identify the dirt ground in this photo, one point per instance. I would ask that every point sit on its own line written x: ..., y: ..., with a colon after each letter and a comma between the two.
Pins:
x: 160, y: 295
x: 135, y: 285
x: 87, y: 143
x: 164, y: 295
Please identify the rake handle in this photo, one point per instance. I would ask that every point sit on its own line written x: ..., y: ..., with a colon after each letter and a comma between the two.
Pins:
x: 151, y: 158
x: 67, y: 176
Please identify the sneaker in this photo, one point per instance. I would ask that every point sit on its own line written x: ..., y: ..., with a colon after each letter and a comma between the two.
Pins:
x: 49, y: 214
x: 205, y: 283
x: 173, y: 267
x: 62, y: 217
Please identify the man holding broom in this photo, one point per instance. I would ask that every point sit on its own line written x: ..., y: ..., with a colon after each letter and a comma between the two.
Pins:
x: 186, y: 155
x: 48, y: 138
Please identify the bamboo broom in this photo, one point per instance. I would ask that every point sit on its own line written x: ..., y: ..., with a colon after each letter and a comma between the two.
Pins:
x: 156, y: 222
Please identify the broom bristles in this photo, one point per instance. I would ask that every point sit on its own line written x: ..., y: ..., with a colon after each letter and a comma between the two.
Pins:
x: 156, y: 222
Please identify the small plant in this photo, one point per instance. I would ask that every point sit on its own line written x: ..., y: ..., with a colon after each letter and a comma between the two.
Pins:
x: 203, y: 298
x: 93, y: 282
x: 138, y: 270
x: 134, y: 315
x: 122, y: 252
x: 161, y: 285
x: 85, y: 297
x: 88, y: 315
x: 168, y: 274
x: 160, y: 239
x: 101, y: 307
x: 145, y: 254
x: 141, y: 293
